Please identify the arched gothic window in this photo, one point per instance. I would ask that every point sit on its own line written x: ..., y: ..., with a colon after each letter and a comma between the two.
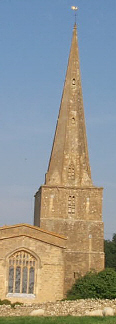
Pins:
x: 21, y: 273
x: 71, y: 205
x: 71, y: 172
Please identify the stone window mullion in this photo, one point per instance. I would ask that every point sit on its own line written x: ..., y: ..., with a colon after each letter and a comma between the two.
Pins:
x: 34, y: 281
x: 21, y: 279
x: 14, y: 278
x: 28, y: 268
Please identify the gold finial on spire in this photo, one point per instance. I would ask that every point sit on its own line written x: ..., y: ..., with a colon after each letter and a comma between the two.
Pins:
x: 75, y: 9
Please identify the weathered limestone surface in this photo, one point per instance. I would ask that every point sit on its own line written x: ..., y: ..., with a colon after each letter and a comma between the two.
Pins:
x: 37, y: 312
x: 97, y: 312
x: 108, y: 311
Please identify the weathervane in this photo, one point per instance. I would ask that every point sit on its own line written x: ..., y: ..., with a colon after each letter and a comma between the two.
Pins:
x: 75, y: 9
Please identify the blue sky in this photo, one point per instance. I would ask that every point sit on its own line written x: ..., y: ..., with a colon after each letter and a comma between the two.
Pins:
x: 35, y: 38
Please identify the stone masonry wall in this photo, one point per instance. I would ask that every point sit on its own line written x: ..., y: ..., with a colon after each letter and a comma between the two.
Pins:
x: 61, y: 308
x: 82, y: 226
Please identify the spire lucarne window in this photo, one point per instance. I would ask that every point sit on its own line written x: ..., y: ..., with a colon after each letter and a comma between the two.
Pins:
x: 21, y: 273
x: 71, y: 172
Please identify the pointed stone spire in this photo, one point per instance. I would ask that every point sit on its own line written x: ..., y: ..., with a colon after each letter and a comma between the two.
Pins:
x: 69, y: 161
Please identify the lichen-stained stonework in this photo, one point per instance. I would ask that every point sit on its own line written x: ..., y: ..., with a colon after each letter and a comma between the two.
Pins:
x: 68, y: 203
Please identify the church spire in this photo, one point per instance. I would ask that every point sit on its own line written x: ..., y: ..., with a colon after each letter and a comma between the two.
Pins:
x: 68, y: 203
x: 69, y: 161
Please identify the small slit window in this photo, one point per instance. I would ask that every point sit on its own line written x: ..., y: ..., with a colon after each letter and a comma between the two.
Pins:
x: 73, y: 120
x: 73, y: 81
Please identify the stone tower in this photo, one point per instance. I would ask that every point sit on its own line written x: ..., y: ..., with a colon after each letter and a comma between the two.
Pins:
x: 68, y: 203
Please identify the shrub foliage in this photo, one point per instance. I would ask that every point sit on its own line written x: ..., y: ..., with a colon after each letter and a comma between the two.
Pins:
x: 8, y: 302
x: 95, y: 285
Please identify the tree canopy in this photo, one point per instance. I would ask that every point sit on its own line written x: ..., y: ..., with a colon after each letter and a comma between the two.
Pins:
x: 110, y: 252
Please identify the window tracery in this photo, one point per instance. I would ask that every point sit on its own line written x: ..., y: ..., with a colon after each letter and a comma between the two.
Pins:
x: 21, y: 273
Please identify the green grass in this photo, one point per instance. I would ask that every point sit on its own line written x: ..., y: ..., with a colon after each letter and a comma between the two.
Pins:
x: 58, y: 320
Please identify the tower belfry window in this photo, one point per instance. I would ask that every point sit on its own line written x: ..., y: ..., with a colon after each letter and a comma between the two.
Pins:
x: 71, y: 205
x: 21, y: 273
x: 71, y: 172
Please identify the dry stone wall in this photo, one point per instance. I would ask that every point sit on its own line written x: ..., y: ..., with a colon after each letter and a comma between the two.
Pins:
x: 61, y: 308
